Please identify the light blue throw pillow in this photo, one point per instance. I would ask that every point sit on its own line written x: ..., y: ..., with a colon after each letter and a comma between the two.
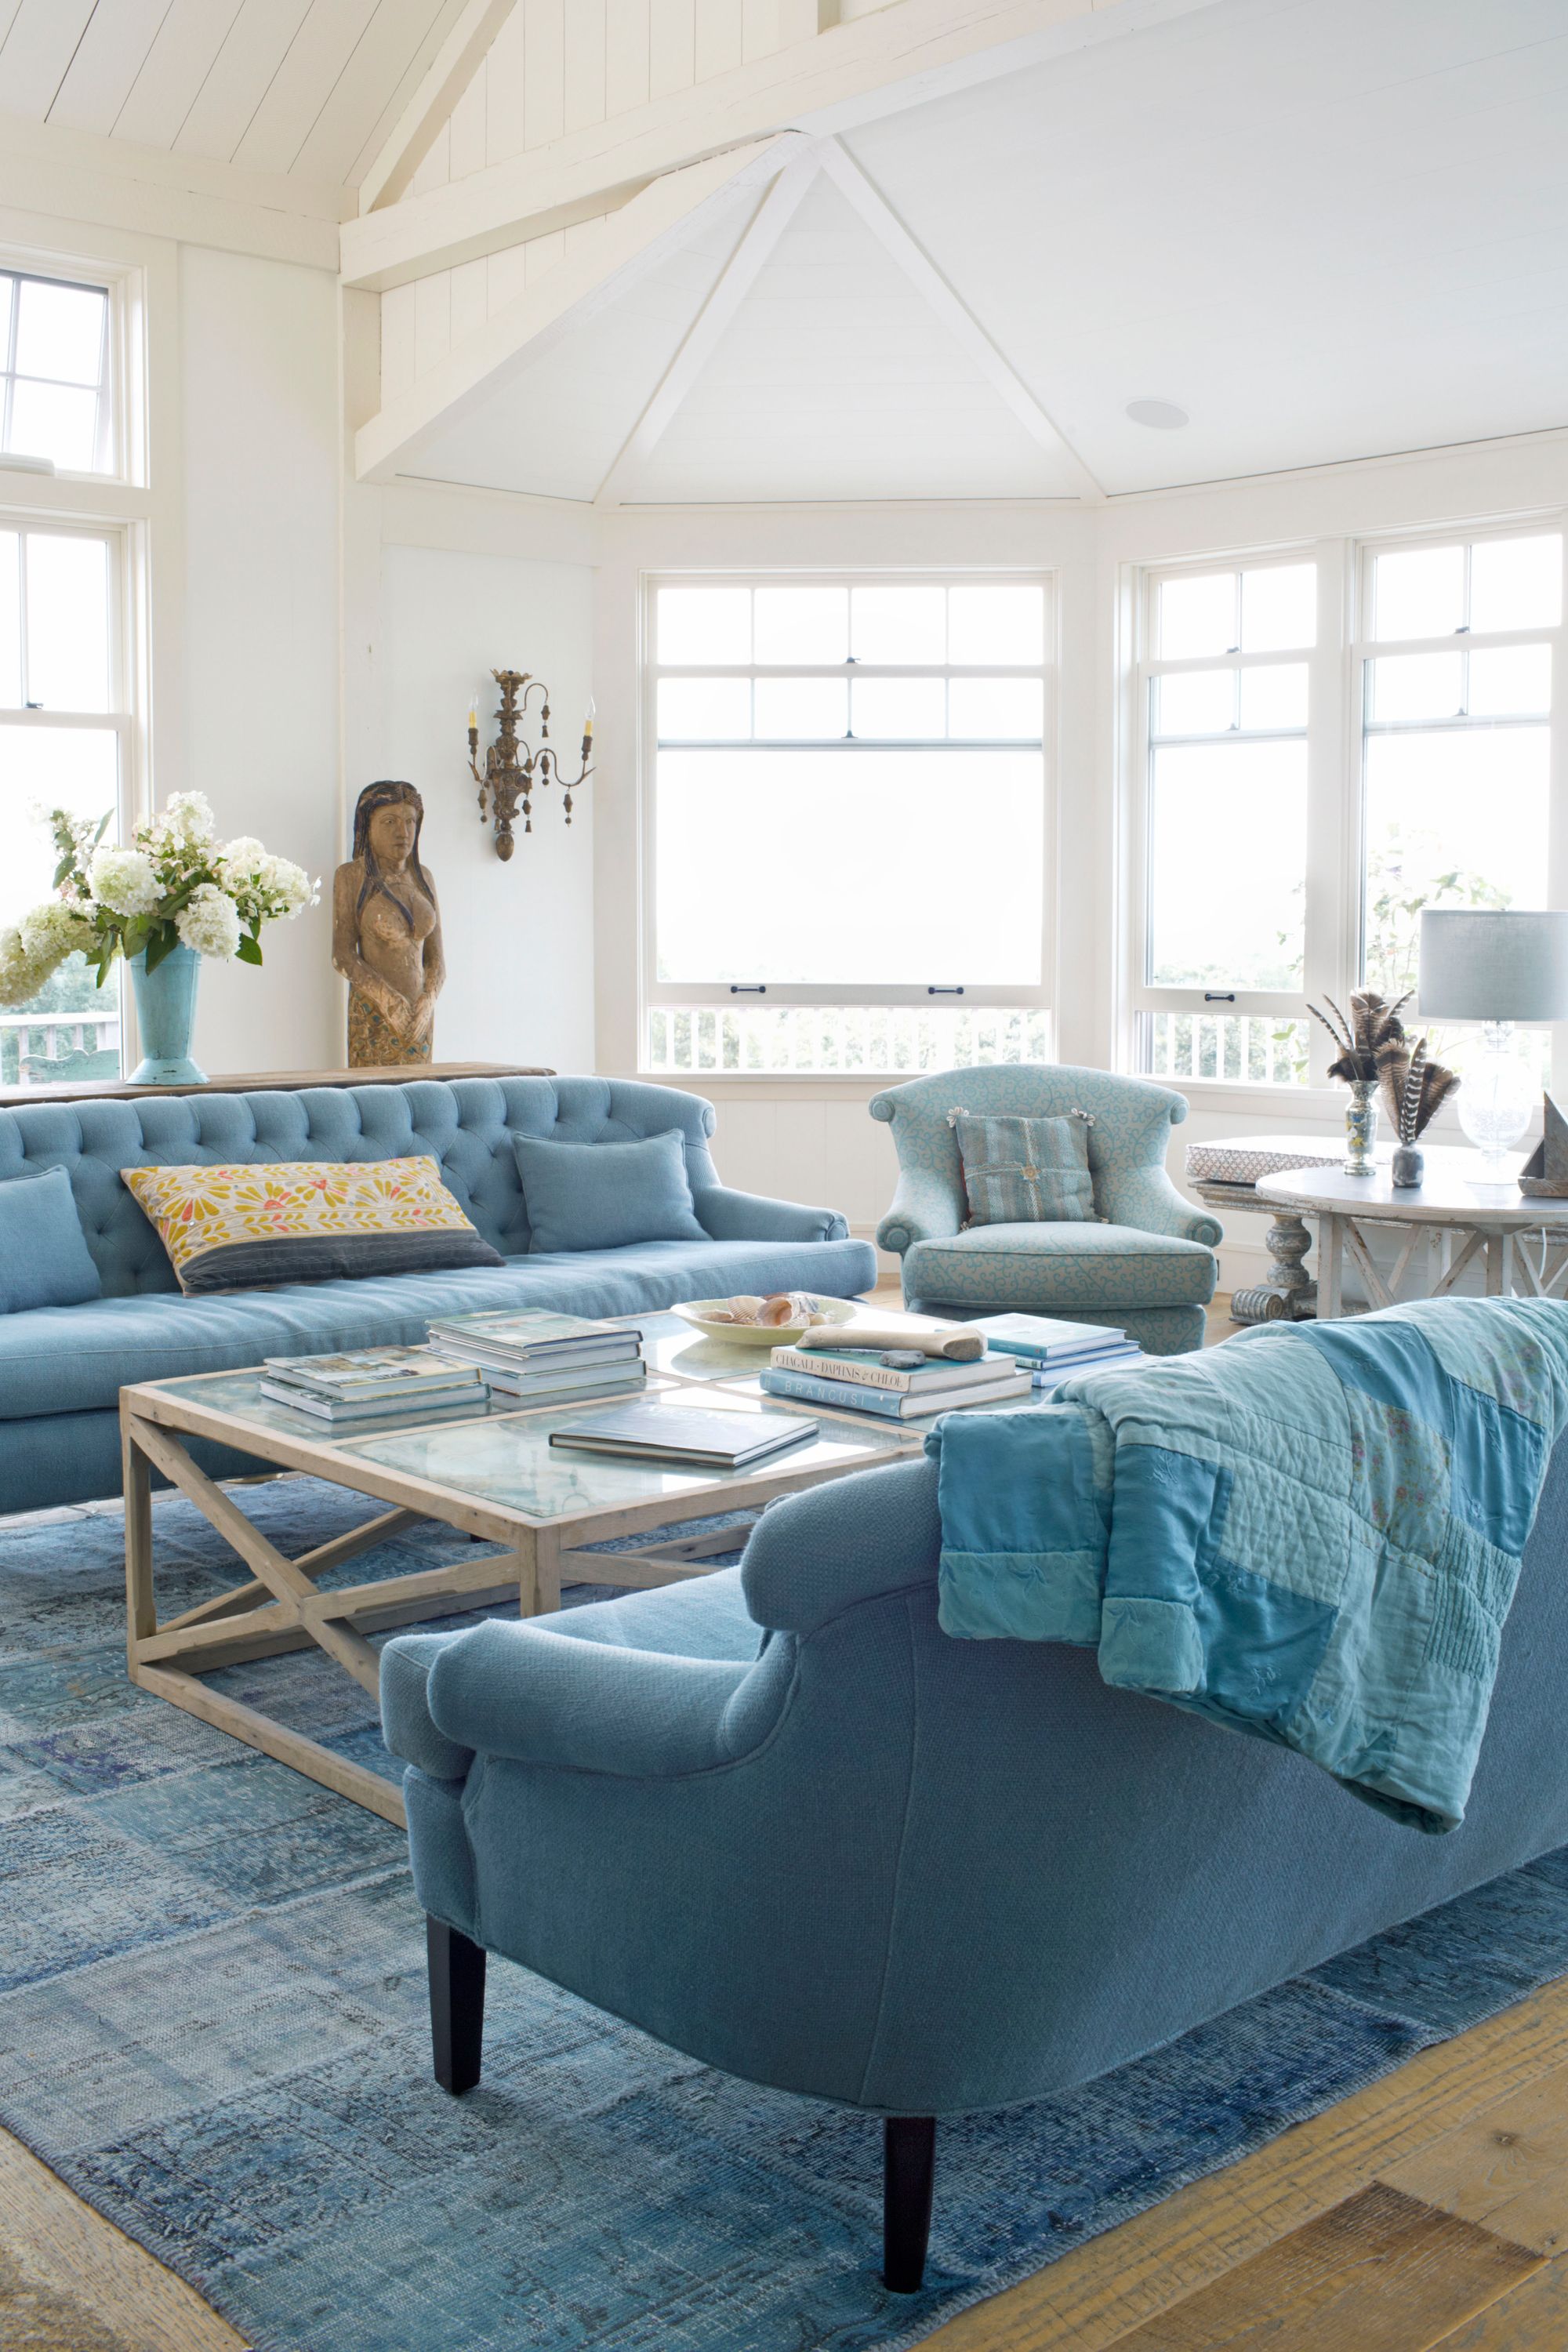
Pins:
x: 1024, y: 1172
x: 44, y: 1257
x: 590, y: 1196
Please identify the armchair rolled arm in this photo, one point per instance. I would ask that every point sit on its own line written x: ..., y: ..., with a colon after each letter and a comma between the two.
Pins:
x: 729, y: 1216
x: 924, y: 1209
x: 515, y: 1690
x: 1146, y: 1198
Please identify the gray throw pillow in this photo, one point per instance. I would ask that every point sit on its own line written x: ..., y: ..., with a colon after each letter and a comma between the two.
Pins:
x: 1024, y: 1172
x: 594, y: 1196
x: 44, y: 1257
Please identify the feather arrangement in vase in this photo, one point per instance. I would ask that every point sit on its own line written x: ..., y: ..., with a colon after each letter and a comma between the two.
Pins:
x: 1372, y: 1024
x: 1415, y: 1088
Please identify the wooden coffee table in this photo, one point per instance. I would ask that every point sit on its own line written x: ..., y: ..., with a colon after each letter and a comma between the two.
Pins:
x: 491, y: 1473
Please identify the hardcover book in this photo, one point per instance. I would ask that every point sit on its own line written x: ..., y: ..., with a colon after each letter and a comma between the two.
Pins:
x: 1049, y: 1339
x: 670, y: 1432
x: 364, y: 1371
x: 894, y: 1404
x: 866, y: 1368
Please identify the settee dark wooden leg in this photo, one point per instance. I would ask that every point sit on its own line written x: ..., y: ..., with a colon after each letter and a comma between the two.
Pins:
x: 909, y: 2169
x: 456, y: 2005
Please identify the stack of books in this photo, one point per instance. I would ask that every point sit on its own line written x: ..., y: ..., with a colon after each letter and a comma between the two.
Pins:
x: 538, y: 1358
x: 857, y: 1379
x: 1055, y: 1349
x: 364, y: 1383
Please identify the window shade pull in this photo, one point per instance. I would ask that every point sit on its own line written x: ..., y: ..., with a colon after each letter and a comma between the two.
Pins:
x: 1219, y: 996
x: 748, y: 988
x: 945, y: 991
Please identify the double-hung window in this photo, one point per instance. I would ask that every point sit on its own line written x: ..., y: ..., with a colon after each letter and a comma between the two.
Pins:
x: 1220, y: 915
x: 1327, y: 746
x: 1458, y: 657
x: 63, y: 743
x: 845, y: 823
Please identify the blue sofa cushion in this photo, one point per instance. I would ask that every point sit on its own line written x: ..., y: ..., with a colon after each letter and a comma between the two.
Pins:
x: 44, y: 1257
x: 77, y: 1359
x: 1061, y: 1265
x: 595, y: 1196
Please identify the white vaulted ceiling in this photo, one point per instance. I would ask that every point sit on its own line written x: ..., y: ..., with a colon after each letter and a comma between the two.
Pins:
x: 1327, y: 229
x: 304, y: 85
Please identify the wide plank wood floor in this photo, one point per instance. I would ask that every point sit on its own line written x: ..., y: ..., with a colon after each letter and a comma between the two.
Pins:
x: 1429, y: 2210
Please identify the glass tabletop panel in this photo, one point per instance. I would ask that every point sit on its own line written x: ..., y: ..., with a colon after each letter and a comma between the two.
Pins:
x: 239, y: 1394
x: 509, y: 1461
x: 672, y: 1346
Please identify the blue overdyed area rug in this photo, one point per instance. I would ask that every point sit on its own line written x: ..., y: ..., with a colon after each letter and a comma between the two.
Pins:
x: 213, y: 2026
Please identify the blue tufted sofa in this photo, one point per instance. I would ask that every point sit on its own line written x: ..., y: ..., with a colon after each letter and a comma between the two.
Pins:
x: 61, y: 1368
x: 778, y: 1819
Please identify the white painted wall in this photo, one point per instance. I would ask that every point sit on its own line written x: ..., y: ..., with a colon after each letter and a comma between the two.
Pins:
x: 518, y: 936
x: 258, y: 626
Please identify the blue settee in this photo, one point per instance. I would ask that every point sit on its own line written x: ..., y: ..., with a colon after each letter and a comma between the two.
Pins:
x: 62, y: 1368
x: 781, y: 1822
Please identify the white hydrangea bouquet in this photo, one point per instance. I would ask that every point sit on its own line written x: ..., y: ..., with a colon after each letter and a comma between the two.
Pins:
x: 174, y: 886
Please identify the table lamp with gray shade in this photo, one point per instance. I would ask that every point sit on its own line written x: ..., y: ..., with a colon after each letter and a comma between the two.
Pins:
x: 1497, y: 968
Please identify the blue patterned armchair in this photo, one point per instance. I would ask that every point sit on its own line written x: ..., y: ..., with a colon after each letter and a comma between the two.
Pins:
x: 1145, y: 1264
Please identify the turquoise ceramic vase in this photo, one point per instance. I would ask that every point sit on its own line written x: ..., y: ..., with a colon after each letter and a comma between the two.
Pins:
x: 165, y: 1009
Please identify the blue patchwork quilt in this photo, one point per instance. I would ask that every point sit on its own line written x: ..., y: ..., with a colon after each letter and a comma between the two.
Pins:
x: 1311, y: 1534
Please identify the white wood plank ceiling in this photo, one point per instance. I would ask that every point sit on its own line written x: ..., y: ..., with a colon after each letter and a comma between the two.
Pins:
x: 303, y: 85
x: 1326, y: 229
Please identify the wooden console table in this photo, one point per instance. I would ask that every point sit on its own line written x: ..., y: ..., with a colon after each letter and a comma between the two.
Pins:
x: 268, y: 1082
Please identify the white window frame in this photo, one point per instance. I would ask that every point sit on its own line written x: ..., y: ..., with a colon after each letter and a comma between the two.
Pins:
x: 120, y: 719
x: 1364, y: 648
x: 139, y: 501
x: 1336, y: 831
x: 123, y: 431
x: 682, y: 995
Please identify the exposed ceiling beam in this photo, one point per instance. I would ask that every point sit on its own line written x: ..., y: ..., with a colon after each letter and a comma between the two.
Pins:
x: 426, y: 116
x: 773, y: 216
x: 898, y: 58
x: 618, y: 252
x: 81, y: 176
x: 959, y: 321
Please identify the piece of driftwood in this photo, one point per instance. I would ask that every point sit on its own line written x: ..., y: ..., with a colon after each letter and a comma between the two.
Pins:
x: 1544, y: 1175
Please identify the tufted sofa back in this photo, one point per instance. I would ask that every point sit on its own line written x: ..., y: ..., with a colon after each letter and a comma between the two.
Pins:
x: 467, y: 1125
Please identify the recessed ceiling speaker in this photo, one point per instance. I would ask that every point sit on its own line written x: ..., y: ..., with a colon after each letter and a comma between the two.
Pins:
x: 1163, y: 414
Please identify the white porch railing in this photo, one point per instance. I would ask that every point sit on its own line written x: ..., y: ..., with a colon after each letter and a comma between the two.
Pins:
x: 1259, y: 1049
x: 843, y: 1038
x: 28, y: 1039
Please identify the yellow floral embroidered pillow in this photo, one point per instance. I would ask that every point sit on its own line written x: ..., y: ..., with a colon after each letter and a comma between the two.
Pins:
x: 306, y: 1220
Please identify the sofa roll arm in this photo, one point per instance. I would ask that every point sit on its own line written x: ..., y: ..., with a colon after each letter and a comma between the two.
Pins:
x: 539, y: 1697
x: 812, y: 1556
x: 730, y: 1216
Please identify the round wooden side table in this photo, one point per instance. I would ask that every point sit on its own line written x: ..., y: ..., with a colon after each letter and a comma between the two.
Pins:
x: 1455, y: 1219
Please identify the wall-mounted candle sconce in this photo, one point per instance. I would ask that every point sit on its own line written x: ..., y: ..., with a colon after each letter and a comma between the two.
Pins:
x: 512, y: 768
